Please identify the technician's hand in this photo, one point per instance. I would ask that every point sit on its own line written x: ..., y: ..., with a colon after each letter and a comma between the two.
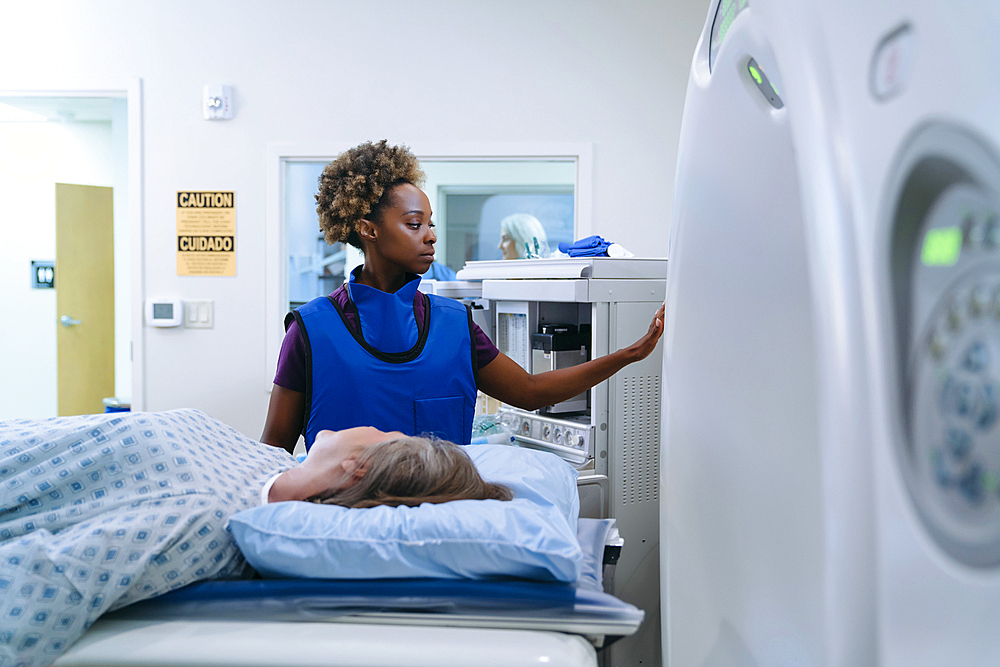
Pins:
x: 504, y: 379
x: 643, y: 347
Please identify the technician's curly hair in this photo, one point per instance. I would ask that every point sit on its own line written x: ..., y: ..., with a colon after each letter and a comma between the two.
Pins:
x: 358, y: 184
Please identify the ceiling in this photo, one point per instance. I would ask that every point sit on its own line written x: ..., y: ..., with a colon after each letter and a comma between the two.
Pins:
x: 79, y: 109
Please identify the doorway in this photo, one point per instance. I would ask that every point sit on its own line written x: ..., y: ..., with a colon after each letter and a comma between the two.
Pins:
x: 89, y: 137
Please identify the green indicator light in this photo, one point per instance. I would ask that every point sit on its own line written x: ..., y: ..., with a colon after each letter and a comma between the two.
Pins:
x: 941, y: 246
x: 764, y: 85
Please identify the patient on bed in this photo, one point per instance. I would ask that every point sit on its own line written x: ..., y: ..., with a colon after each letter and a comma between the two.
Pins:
x: 100, y: 511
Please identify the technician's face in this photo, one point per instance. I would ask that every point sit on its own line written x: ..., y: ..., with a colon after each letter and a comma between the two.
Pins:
x: 405, y: 233
x: 508, y: 247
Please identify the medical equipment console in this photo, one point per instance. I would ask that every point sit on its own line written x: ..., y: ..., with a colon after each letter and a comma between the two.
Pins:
x: 615, y: 440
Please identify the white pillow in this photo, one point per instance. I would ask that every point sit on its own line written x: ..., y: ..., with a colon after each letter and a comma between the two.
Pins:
x: 532, y: 536
x: 541, y: 477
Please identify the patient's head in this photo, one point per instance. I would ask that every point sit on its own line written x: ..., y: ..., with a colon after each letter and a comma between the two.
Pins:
x: 412, y: 470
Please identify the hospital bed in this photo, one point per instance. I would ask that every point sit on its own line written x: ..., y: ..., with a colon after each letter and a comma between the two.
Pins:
x: 404, y: 623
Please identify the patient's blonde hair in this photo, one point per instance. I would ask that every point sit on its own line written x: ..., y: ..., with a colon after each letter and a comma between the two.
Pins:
x: 414, y: 470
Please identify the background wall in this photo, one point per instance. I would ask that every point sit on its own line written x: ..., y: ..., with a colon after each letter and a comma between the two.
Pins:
x: 609, y: 73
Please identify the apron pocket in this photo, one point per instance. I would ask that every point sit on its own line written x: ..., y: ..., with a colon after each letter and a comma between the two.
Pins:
x: 443, y: 418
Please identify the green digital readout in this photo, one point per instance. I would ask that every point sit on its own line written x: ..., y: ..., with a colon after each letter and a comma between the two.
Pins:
x: 725, y: 14
x: 728, y: 12
x: 942, y: 246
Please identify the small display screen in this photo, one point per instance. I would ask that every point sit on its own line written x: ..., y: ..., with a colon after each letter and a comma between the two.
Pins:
x: 942, y: 246
x: 163, y: 311
x: 764, y: 84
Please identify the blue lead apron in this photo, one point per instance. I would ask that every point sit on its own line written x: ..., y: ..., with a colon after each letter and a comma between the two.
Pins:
x: 388, y: 373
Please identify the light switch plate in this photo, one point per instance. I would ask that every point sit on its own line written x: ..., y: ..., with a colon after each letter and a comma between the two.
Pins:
x: 199, y: 314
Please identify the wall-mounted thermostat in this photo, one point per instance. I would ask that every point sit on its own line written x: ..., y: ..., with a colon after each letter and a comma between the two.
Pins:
x: 164, y: 312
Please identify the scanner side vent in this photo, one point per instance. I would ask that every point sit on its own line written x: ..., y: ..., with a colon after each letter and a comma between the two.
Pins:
x: 640, y: 439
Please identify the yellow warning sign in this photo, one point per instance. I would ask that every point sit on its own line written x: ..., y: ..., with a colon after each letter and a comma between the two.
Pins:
x: 206, y: 234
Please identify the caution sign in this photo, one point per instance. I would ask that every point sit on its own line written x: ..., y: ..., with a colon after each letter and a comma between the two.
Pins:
x: 206, y: 234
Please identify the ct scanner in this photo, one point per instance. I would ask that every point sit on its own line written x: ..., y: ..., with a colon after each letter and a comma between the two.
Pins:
x: 831, y: 461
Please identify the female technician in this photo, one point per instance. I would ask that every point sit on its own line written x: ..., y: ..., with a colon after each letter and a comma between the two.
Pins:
x: 377, y: 352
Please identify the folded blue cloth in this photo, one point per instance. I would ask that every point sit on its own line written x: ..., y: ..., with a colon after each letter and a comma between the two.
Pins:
x: 592, y: 246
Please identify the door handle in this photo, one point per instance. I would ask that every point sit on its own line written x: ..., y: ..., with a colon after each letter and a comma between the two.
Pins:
x: 68, y: 321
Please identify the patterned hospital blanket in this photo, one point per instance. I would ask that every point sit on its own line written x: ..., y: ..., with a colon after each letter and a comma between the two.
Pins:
x: 100, y: 511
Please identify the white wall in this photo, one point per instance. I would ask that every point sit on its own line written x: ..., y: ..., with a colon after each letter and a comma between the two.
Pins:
x: 610, y: 73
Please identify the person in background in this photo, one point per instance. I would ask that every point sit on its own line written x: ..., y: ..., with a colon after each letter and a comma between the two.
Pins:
x: 378, y: 352
x: 522, y: 236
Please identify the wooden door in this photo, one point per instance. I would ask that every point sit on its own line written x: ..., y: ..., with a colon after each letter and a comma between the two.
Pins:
x: 85, y: 298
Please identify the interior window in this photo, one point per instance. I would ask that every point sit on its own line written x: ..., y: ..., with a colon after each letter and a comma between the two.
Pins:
x: 474, y: 223
x: 314, y: 268
x: 470, y: 198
